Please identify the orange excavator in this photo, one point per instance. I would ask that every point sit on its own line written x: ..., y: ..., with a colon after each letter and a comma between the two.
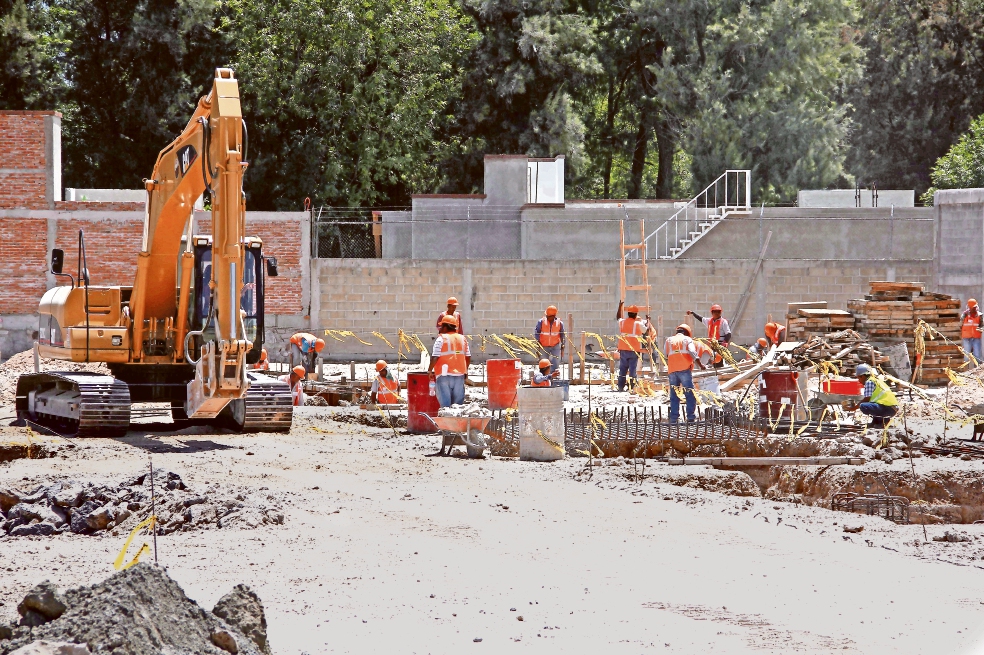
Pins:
x: 193, y: 319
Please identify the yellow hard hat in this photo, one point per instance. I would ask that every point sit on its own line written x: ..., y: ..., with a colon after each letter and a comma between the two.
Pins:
x: 544, y: 363
x: 380, y: 365
x: 551, y: 311
x: 299, y: 371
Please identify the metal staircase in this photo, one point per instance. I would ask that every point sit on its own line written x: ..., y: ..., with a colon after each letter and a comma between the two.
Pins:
x: 728, y: 195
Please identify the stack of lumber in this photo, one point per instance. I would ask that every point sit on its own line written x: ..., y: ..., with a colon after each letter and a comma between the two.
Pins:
x: 890, y: 314
x: 805, y: 320
x: 846, y: 349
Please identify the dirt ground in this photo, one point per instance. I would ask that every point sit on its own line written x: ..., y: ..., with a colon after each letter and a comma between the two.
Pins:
x: 384, y: 548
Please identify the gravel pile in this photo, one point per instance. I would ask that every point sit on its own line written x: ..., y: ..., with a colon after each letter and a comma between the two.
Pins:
x: 472, y: 410
x: 140, y: 611
x: 23, y: 362
x: 90, y: 507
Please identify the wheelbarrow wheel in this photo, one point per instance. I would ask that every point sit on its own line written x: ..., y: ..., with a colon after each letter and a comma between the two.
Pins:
x: 474, y: 452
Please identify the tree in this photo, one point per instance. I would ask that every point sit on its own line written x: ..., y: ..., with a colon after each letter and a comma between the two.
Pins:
x: 344, y: 98
x: 30, y: 48
x: 923, y: 71
x: 135, y: 70
x: 962, y: 167
x: 523, y: 78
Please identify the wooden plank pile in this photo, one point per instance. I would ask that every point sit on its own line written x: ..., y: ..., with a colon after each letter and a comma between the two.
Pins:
x: 846, y: 349
x: 890, y: 313
x: 806, y: 320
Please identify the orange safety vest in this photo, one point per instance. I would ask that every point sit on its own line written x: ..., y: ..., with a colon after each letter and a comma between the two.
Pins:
x: 297, y: 392
x: 262, y: 365
x: 678, y: 357
x: 630, y: 331
x: 545, y: 383
x: 388, y: 391
x: 452, y: 359
x: 702, y: 348
x: 549, y: 332
x: 970, y: 327
x: 299, y: 338
x: 714, y: 333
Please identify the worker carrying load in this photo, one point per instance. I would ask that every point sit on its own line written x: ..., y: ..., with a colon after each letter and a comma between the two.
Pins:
x: 681, y: 355
x: 718, y: 330
x: 545, y: 376
x: 878, y: 401
x: 304, y: 348
x: 386, y: 387
x: 295, y: 380
x: 550, y: 333
x: 776, y: 333
x: 757, y: 350
x: 634, y: 335
x: 449, y: 363
x: 971, y: 324
x: 453, y: 312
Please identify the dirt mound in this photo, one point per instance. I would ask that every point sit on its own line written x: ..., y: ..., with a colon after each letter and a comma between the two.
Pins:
x: 140, y: 611
x: 23, y: 362
x: 90, y: 507
x: 371, y: 419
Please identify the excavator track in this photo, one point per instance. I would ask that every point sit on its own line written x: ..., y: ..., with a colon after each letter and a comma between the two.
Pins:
x: 267, y: 407
x: 78, y: 404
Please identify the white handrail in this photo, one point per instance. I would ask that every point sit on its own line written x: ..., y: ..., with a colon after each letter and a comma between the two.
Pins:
x: 706, y: 207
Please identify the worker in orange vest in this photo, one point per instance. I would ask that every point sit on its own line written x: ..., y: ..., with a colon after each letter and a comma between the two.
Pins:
x: 550, y: 333
x: 776, y: 333
x: 681, y: 355
x: 545, y: 377
x: 449, y: 363
x: 294, y: 379
x: 264, y: 363
x: 304, y: 347
x: 718, y: 330
x: 971, y: 324
x: 757, y: 350
x: 633, y: 340
x: 386, y: 387
x: 452, y: 311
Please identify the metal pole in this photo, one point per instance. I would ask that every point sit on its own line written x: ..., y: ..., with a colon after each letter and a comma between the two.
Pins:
x: 153, y: 507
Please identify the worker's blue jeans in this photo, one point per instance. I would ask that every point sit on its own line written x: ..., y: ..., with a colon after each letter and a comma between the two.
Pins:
x: 627, y: 361
x: 450, y: 390
x: 553, y: 354
x: 683, y: 379
x: 973, y: 347
x: 878, y: 412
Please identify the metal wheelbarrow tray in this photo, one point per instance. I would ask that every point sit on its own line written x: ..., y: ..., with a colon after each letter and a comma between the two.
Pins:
x: 453, y: 427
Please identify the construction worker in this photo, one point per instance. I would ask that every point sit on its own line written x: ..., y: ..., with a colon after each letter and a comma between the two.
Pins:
x: 776, y: 333
x: 386, y: 387
x: 681, y: 355
x: 545, y: 377
x: 718, y: 330
x: 758, y: 349
x: 295, y: 380
x: 450, y: 359
x: 452, y: 310
x: 971, y: 324
x: 304, y: 348
x: 550, y: 333
x: 264, y: 363
x: 633, y: 335
x: 878, y: 401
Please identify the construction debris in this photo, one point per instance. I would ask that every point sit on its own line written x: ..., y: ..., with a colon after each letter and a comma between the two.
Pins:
x: 472, y: 410
x: 845, y: 349
x: 806, y: 320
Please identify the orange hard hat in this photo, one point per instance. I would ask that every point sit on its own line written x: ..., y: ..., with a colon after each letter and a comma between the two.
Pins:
x: 686, y: 328
x: 544, y: 363
x: 380, y: 365
x: 972, y: 303
x: 770, y: 329
x: 715, y: 308
x: 632, y: 309
x: 299, y: 371
x: 551, y: 311
x: 319, y: 345
x: 448, y: 319
x: 263, y: 354
x: 762, y: 342
x: 453, y: 301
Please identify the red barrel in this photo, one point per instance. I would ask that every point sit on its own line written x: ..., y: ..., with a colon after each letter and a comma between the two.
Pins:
x: 420, y: 403
x: 504, y: 376
x: 779, y: 392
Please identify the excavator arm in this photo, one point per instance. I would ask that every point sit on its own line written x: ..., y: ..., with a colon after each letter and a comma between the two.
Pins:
x: 209, y: 155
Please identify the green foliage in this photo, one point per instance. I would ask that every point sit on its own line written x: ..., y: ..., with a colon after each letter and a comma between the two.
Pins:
x: 963, y: 166
x: 344, y: 98
x: 30, y: 47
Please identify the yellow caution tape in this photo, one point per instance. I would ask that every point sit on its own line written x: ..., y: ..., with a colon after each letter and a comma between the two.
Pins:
x: 150, y: 521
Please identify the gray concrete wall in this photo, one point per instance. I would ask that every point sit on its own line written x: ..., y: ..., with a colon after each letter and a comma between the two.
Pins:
x: 506, y: 180
x: 960, y: 242
x: 397, y: 235
x: 848, y: 198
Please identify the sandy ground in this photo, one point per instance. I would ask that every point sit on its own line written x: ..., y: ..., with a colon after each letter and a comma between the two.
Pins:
x: 384, y: 548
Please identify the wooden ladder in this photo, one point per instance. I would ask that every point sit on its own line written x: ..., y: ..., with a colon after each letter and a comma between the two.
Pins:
x: 640, y: 282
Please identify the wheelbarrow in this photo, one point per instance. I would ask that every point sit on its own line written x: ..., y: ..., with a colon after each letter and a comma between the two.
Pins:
x: 464, y: 431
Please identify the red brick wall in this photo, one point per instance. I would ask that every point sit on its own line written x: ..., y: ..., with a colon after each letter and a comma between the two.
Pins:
x: 85, y: 205
x: 22, y: 148
x: 22, y: 274
x: 111, y: 247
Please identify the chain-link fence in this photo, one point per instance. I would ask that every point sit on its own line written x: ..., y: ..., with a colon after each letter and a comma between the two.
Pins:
x: 341, y: 232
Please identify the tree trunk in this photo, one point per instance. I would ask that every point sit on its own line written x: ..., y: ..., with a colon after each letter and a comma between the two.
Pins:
x: 666, y: 142
x: 639, y: 158
x: 609, y: 139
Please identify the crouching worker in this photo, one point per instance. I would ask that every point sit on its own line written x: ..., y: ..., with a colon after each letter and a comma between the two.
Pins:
x: 879, y: 402
x: 295, y: 379
x: 544, y: 377
x: 386, y: 387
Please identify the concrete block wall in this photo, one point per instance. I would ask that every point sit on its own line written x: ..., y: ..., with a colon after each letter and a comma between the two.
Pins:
x: 30, y: 159
x: 960, y: 242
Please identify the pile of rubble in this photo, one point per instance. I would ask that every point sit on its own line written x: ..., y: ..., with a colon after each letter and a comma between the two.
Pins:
x: 471, y: 410
x: 846, y: 349
x: 90, y: 508
x: 139, y: 611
